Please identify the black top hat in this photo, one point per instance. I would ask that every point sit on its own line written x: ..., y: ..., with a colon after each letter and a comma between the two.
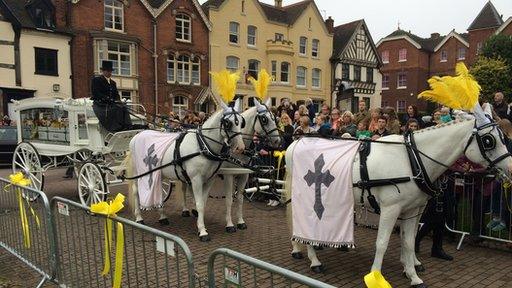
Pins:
x: 106, y: 65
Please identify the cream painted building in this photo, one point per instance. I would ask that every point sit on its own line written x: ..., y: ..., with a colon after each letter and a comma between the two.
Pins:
x: 292, y: 42
x: 34, y: 56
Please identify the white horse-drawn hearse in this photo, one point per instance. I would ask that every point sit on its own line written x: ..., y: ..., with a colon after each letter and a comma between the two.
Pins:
x: 57, y: 133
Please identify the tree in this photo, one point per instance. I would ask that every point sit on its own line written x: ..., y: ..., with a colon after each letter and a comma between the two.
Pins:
x: 498, y: 46
x: 493, y: 75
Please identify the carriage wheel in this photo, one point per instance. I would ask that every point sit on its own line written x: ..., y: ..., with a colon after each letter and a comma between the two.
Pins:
x: 27, y: 160
x: 92, y: 187
x: 167, y: 188
x: 79, y: 158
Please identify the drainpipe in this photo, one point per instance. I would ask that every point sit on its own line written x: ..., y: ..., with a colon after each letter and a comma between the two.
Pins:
x: 71, y: 47
x: 155, y: 61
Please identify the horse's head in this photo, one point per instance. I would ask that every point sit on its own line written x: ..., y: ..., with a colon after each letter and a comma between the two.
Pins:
x: 487, y: 145
x: 265, y: 124
x: 231, y: 125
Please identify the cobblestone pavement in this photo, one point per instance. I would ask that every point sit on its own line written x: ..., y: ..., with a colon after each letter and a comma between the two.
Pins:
x: 267, y: 239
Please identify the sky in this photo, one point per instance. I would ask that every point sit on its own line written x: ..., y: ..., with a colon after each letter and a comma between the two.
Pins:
x: 422, y: 17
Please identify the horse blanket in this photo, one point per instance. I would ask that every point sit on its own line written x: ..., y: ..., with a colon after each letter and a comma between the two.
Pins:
x: 149, y: 149
x: 322, y: 196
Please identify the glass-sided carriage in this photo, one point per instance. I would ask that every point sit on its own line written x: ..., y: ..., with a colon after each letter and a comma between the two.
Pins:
x: 56, y: 133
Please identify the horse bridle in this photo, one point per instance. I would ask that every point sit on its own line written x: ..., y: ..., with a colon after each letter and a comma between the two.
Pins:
x: 226, y: 125
x: 263, y: 120
x: 487, y: 142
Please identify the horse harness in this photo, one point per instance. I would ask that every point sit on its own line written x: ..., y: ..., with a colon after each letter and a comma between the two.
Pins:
x: 485, y: 142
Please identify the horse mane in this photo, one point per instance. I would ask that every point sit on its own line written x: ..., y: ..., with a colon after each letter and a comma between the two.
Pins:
x: 439, y: 126
x: 209, y: 122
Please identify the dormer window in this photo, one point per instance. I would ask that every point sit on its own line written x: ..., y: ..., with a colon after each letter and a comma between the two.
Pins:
x: 114, y: 15
x: 43, y: 14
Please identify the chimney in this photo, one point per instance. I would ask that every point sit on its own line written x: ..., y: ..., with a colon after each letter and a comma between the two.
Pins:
x: 329, y: 22
x: 278, y: 3
x: 435, y: 35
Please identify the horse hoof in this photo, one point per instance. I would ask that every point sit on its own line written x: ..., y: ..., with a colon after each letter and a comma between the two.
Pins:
x: 421, y: 285
x: 194, y: 212
x: 419, y: 268
x: 297, y: 255
x: 241, y: 226
x: 164, y: 222
x: 318, y: 248
x: 141, y: 222
x: 185, y: 214
x: 318, y: 269
x: 205, y: 238
x: 231, y: 229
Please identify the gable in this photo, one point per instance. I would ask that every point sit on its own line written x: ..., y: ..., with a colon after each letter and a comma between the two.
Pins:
x: 487, y: 18
x: 454, y: 35
x: 302, y: 16
x: 361, y: 48
x: 506, y: 28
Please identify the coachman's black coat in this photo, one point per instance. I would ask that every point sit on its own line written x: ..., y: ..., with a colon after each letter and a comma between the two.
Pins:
x: 113, y: 116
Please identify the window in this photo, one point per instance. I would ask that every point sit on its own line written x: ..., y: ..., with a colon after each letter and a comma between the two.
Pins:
x: 357, y: 73
x: 232, y: 63
x: 44, y: 17
x: 32, y: 129
x: 279, y: 37
x: 274, y: 70
x: 384, y: 103
x: 315, y: 78
x: 243, y: 6
x: 234, y: 29
x: 301, y: 76
x: 183, y: 29
x: 180, y: 105
x: 400, y: 106
x: 345, y: 72
x: 360, y: 44
x: 402, y: 55
x: 183, y: 69
x: 196, y: 71
x: 302, y: 46
x: 314, y: 47
x: 120, y: 55
x: 126, y: 95
x: 478, y: 48
x: 309, y: 23
x: 402, y: 81
x: 273, y: 101
x: 254, y: 68
x: 251, y: 35
x: 444, y: 56
x: 369, y: 74
x: 461, y: 53
x: 46, y: 62
x: 113, y: 15
x: 385, y: 81
x: 250, y: 102
x: 285, y: 72
x: 171, y: 73
x: 385, y: 56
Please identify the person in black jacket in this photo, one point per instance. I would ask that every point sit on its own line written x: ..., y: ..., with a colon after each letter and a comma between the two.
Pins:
x: 113, y: 115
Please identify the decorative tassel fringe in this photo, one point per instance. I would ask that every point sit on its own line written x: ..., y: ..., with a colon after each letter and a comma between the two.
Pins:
x: 301, y: 240
x: 151, y: 207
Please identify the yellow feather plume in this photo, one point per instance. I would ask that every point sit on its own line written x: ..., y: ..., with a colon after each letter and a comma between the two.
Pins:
x: 459, y: 92
x: 261, y: 85
x: 226, y: 84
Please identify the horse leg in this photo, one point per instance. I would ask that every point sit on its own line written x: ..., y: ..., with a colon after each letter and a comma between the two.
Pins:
x: 184, y: 210
x: 408, y: 233
x: 228, y: 185
x: 163, y: 218
x: 296, y: 251
x: 199, y: 195
x: 316, y: 266
x: 387, y: 221
x: 242, y: 181
x: 134, y: 201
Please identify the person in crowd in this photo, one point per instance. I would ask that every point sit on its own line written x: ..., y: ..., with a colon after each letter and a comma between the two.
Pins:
x: 412, y: 112
x: 304, y: 127
x: 303, y: 110
x: 363, y: 113
x: 381, y: 131
x: 202, y: 117
x: 296, y: 119
x: 286, y: 128
x: 412, y: 125
x: 286, y: 107
x: 362, y: 130
x: 393, y: 123
x: 6, y: 121
x: 335, y: 119
x: 325, y: 110
x: 374, y: 119
x: 499, y: 106
x: 445, y: 115
x: 347, y: 124
x: 311, y: 109
x: 322, y: 126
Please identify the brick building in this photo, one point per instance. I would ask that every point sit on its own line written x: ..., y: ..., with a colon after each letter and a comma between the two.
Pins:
x: 409, y: 60
x: 159, y: 48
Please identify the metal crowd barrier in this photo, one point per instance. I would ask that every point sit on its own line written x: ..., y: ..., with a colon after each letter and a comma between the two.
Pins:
x: 240, y: 270
x: 474, y: 201
x: 152, y: 258
x: 36, y: 246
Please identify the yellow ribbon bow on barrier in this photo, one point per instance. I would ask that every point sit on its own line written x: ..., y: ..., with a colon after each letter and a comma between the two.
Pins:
x: 20, y: 180
x: 110, y: 210
x: 279, y: 155
x: 375, y: 279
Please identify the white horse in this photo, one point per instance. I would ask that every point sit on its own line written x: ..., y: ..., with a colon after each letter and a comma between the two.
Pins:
x: 476, y: 137
x: 258, y: 120
x: 221, y: 129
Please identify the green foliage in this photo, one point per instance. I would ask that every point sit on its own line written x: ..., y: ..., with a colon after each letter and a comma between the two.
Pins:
x: 494, y: 75
x: 498, y: 46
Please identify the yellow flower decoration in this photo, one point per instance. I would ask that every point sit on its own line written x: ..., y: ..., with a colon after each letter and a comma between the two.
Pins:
x: 261, y: 85
x: 226, y: 84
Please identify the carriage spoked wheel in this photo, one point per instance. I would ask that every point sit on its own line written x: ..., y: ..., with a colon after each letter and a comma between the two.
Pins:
x: 92, y: 187
x: 167, y: 187
x: 27, y: 160
x: 79, y: 158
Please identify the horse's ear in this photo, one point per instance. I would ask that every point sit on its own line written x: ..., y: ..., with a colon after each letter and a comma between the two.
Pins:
x: 268, y: 102
x: 223, y: 105
x: 238, y: 105
x: 259, y: 106
x: 480, y: 117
